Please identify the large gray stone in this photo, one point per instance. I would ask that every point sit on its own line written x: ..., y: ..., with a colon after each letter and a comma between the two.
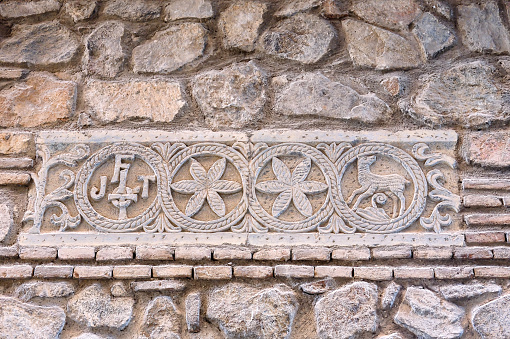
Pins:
x: 19, y: 320
x: 482, y: 29
x: 170, y: 49
x: 103, y: 50
x: 44, y: 289
x: 467, y: 95
x: 94, y: 307
x: 347, y: 312
x: 239, y: 24
x: 232, y: 97
x: 392, y: 14
x: 79, y: 10
x: 467, y: 291
x: 243, y: 311
x: 371, y: 46
x: 161, y: 319
x: 315, y: 94
x: 433, y: 35
x: 43, y: 44
x: 134, y: 10
x: 303, y: 37
x: 19, y: 8
x: 428, y: 316
x: 6, y: 221
x: 154, y: 100
x: 181, y: 9
x: 492, y: 320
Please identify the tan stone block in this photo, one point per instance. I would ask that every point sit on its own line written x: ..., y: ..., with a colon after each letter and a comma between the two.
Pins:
x: 17, y: 143
x: 275, y: 254
x: 154, y: 253
x: 487, y: 219
x: 487, y: 149
x: 478, y: 200
x: 212, y: 272
x: 132, y: 271
x: 485, y: 237
x: 392, y: 252
x: 333, y: 271
x: 13, y: 163
x: 492, y: 272
x: 294, y: 271
x: 231, y: 254
x: 172, y: 271
x: 501, y: 252
x: 92, y: 272
x: 472, y: 253
x: 453, y: 272
x: 373, y: 273
x: 433, y: 253
x: 14, y: 178
x: 38, y: 253
x: 9, y: 252
x: 114, y: 253
x: 256, y: 272
x: 53, y: 271
x: 16, y: 271
x: 158, y: 285
x: 322, y: 254
x: 351, y: 253
x: 77, y: 253
x: 486, y: 184
x: 192, y: 253
x: 413, y: 273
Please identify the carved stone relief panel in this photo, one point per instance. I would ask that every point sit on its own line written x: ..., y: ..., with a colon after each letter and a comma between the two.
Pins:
x: 265, y: 181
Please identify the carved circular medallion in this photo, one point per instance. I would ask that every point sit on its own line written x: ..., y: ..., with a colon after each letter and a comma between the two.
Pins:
x: 123, y: 196
x: 292, y: 187
x: 206, y: 188
x: 378, y: 188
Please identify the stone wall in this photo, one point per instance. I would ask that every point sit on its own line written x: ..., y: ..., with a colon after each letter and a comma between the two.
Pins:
x: 254, y: 169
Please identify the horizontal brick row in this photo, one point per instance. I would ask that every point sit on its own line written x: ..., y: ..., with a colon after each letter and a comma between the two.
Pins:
x: 225, y: 272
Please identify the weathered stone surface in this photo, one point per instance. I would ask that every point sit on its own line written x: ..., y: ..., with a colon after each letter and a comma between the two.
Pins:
x: 391, y: 336
x: 466, y: 95
x: 79, y: 10
x: 17, y: 143
x: 394, y: 85
x: 16, y: 8
x: 440, y: 7
x: 390, y: 294
x: 89, y: 336
x: 303, y: 37
x: 347, y: 312
x: 41, y: 99
x: 487, y: 149
x: 433, y: 35
x: 242, y: 311
x: 95, y: 307
x: 181, y: 9
x: 392, y: 14
x: 232, y: 97
x: 193, y: 304
x: 156, y: 100
x: 44, y: 289
x: 318, y: 287
x: 119, y: 289
x: 297, y: 6
x: 103, y: 50
x: 482, y: 29
x: 491, y: 320
x: 43, y: 44
x: 134, y: 10
x: 371, y: 46
x: 428, y: 316
x: 315, y: 94
x: 27, y: 321
x: 461, y: 291
x: 6, y: 221
x: 239, y: 24
x: 170, y: 49
x: 161, y: 319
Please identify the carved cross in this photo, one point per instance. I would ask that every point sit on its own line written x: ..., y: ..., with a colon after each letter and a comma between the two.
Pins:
x: 123, y: 196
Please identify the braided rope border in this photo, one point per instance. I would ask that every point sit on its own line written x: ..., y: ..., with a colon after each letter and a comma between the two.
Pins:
x: 224, y: 223
x: 410, y: 165
x: 103, y: 223
x: 309, y: 223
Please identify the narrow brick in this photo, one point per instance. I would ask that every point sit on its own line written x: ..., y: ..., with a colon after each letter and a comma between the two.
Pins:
x: 9, y: 252
x: 38, y: 253
x: 12, y: 163
x: 53, y: 271
x: 132, y: 272
x: 319, y: 253
x: 472, y: 253
x: 77, y: 253
x: 485, y: 237
x: 487, y: 219
x: 486, y: 184
x: 16, y: 272
x: 373, y: 273
x: 478, y: 200
x: 492, y: 272
x: 158, y: 285
x: 392, y: 252
x: 274, y: 254
x: 154, y: 253
x: 333, y: 271
x: 212, y: 272
x: 433, y: 253
x: 232, y: 254
x: 351, y: 253
x: 294, y: 271
x: 14, y: 178
x: 192, y: 253
x: 413, y: 273
x: 501, y: 252
x: 255, y: 272
x: 114, y: 253
x: 172, y: 271
x: 453, y: 272
x: 92, y: 272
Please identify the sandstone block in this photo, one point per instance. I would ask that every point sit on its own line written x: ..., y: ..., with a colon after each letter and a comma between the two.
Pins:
x: 501, y: 252
x: 433, y: 36
x: 486, y: 219
x: 486, y: 183
x: 476, y: 200
x: 79, y: 10
x: 16, y: 271
x: 231, y: 254
x: 158, y: 285
x: 293, y: 271
x: 319, y: 286
x: 114, y: 253
x: 17, y: 143
x: 321, y: 254
x: 12, y: 178
x: 413, y: 273
x: 492, y: 272
x: 453, y: 272
x: 42, y: 99
x: 392, y: 252
x: 9, y: 252
x: 433, y: 253
x: 77, y: 253
x: 392, y: 14
x: 458, y: 292
x: 193, y: 304
x: 297, y: 6
x: 14, y: 163
x: 472, y: 253
x: 6, y: 221
x: 351, y: 253
x: 43, y: 289
x: 276, y: 254
x: 161, y: 319
x: 16, y: 9
x: 53, y: 271
x: 103, y: 50
x: 8, y: 73
x: 485, y: 237
x: 333, y: 271
x: 192, y: 253
x: 170, y: 49
x: 303, y: 37
x: 50, y: 43
x: 154, y: 253
x: 390, y: 295
x: 182, y: 9
x: 155, y: 100
x: 132, y: 272
x: 374, y: 47
x: 373, y: 273
x: 240, y: 23
x: 490, y: 319
x: 254, y: 272
x: 38, y: 253
x: 212, y: 272
x: 92, y: 272
x: 172, y: 271
x: 487, y: 150
x: 134, y: 10
x: 119, y: 289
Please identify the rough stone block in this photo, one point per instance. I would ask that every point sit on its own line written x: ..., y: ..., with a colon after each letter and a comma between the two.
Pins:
x: 256, y: 272
x: 133, y: 10
x: 92, y: 272
x: 333, y: 271
x: 16, y: 271
x: 351, y: 253
x: 158, y: 285
x: 114, y: 253
x: 212, y: 272
x: 53, y: 271
x: 79, y: 10
x: 319, y: 254
x: 17, y: 143
x: 193, y: 305
x: 77, y: 253
x: 15, y: 9
x: 181, y: 9
x: 9, y: 252
x: 6, y: 221
x: 192, y: 253
x: 154, y: 253
x: 132, y: 272
x: 392, y: 252
x: 293, y: 271
x: 172, y: 271
x: 487, y: 150
x: 38, y: 253
x: 231, y: 254
x: 453, y: 272
x: 274, y: 254
x: 373, y: 273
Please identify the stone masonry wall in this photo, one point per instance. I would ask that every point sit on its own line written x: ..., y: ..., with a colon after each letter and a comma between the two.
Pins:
x: 254, y: 169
